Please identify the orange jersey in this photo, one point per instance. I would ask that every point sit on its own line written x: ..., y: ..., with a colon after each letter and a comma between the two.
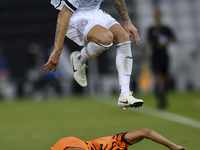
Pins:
x: 114, y: 142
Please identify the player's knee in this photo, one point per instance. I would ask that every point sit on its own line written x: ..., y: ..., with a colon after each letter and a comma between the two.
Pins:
x: 107, y: 38
x: 121, y: 38
x: 124, y: 36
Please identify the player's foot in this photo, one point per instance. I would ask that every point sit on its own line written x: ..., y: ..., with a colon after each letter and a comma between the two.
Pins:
x: 78, y: 70
x: 162, y: 104
x: 128, y: 100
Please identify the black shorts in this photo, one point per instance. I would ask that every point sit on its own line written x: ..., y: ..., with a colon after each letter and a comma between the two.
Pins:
x: 160, y: 64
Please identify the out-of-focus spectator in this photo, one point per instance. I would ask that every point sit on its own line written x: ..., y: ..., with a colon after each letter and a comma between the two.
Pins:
x: 159, y: 37
x: 6, y: 89
x: 41, y: 83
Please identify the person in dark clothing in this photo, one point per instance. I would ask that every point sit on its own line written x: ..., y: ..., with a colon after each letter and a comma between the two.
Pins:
x: 159, y: 37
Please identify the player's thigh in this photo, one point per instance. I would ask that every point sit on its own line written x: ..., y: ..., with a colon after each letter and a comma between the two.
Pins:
x: 120, y: 35
x: 99, y: 34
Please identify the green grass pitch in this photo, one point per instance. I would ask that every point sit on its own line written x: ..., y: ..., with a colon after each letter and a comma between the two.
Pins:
x: 29, y: 125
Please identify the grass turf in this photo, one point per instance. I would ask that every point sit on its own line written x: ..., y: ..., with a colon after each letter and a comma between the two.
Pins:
x: 26, y: 124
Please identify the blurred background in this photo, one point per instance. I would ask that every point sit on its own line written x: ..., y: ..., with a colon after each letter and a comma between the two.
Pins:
x: 27, y: 31
x: 27, y: 36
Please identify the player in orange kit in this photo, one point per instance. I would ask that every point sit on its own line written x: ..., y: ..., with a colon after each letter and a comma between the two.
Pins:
x: 116, y: 142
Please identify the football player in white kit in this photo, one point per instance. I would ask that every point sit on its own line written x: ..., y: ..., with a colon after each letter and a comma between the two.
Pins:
x: 87, y: 25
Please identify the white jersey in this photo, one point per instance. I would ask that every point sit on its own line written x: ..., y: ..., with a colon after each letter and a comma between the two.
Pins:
x: 73, y: 5
x: 82, y: 22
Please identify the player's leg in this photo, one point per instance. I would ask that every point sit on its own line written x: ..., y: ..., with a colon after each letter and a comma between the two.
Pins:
x: 160, y: 67
x: 85, y: 30
x: 99, y: 39
x: 124, y: 63
x: 160, y: 90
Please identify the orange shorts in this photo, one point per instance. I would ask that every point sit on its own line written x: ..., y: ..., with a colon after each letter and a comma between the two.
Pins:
x: 114, y: 142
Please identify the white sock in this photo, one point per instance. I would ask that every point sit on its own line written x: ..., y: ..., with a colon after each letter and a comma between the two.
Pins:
x: 124, y: 89
x: 90, y: 50
x: 124, y: 63
x: 81, y: 56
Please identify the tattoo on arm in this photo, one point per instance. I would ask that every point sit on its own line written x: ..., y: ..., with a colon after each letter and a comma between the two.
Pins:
x: 61, y: 28
x: 121, y: 8
x: 57, y: 31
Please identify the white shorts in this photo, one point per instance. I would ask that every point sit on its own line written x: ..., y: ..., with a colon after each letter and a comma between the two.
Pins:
x: 81, y: 22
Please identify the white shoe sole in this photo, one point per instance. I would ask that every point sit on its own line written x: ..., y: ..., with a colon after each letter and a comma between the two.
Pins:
x: 125, y: 105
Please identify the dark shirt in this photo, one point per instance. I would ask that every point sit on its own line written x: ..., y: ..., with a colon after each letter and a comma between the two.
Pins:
x: 159, y: 38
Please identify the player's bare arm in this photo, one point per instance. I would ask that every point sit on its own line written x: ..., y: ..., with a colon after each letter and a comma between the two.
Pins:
x: 61, y: 29
x: 128, y: 26
x: 121, y: 8
x: 137, y: 135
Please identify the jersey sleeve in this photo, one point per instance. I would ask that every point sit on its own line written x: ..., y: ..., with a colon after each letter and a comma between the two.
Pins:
x: 171, y: 33
x: 71, y: 4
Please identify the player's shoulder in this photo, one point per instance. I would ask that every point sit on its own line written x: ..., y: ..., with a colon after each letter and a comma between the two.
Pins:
x: 166, y: 27
x: 71, y: 4
x: 151, y: 28
x: 55, y: 3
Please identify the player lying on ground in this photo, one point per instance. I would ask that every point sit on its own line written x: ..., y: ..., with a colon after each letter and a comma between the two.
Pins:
x: 116, y: 142
x: 87, y: 25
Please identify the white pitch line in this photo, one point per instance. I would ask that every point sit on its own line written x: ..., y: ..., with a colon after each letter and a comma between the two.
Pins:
x: 168, y: 116
x: 163, y: 115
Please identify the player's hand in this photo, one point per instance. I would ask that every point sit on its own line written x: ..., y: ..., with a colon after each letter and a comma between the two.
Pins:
x: 53, y: 61
x: 177, y: 147
x: 132, y: 31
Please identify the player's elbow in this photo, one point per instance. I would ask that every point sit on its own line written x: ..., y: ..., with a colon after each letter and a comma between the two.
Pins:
x: 146, y: 132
